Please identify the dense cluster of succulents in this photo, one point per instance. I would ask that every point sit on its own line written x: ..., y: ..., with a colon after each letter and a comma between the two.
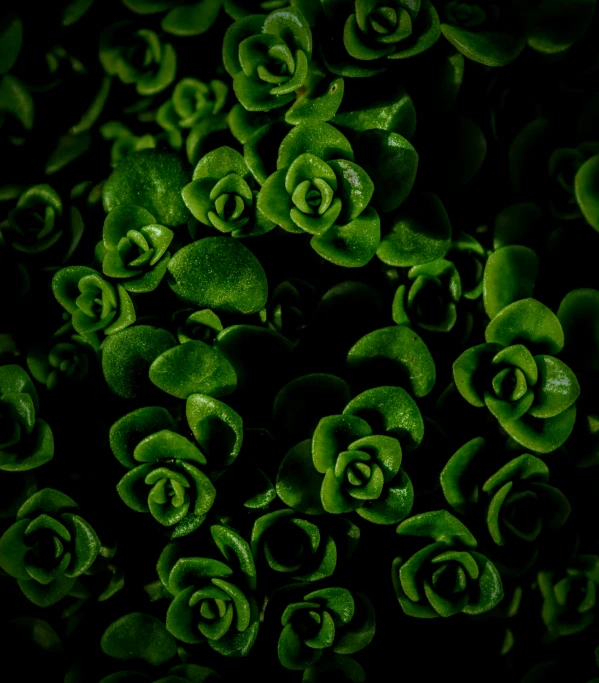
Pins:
x: 299, y: 340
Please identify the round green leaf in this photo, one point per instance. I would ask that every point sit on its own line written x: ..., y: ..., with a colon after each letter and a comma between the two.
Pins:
x: 510, y: 275
x: 586, y: 186
x: 219, y: 273
x: 139, y: 636
x: 298, y: 482
x: 152, y: 179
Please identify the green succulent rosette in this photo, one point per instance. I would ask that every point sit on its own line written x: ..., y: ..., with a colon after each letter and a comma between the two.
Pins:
x: 268, y: 57
x: 92, y: 302
x: 66, y: 362
x: 134, y: 248
x: 490, y: 33
x: 532, y: 396
x: 516, y: 503
x: 203, y: 325
x: 223, y: 195
x: 318, y: 189
x: 301, y: 548
x: 289, y: 307
x: 428, y: 301
x: 447, y: 576
x: 191, y: 103
x: 367, y: 33
x: 26, y: 442
x: 469, y: 258
x: 39, y: 223
x: 353, y: 461
x: 321, y: 623
x: 137, y: 57
x: 168, y: 482
x: 48, y: 547
x: 570, y: 596
x: 183, y: 17
x: 213, y: 600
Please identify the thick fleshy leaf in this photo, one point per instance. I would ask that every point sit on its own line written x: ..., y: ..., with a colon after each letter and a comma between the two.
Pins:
x: 139, y: 636
x: 394, y: 504
x: 542, y: 435
x: 128, y: 355
x: 298, y: 481
x: 166, y: 445
x: 556, y: 390
x: 458, y: 476
x: 527, y: 322
x: 391, y: 411
x: 130, y: 429
x: 417, y: 233
x: 212, y: 375
x: 351, y: 245
x: 578, y: 314
x: 153, y: 180
x: 391, y: 161
x: 466, y: 371
x: 217, y: 428
x: 485, y: 47
x: 320, y: 139
x: 586, y: 185
x: 510, y: 275
x: 180, y: 621
x: 395, y: 353
x: 236, y: 551
x: 489, y: 589
x: 293, y: 654
x: 219, y: 273
x: 439, y: 525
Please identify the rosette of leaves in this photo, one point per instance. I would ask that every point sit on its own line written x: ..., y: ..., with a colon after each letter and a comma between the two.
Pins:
x: 516, y: 503
x: 213, y: 600
x: 318, y: 189
x: 92, y: 302
x: 322, y: 622
x: 134, y: 248
x: 300, y: 548
x: 268, y: 57
x: 183, y: 17
x: 39, y: 222
x: 192, y: 101
x: 48, y: 547
x: 203, y: 325
x: 223, y: 195
x: 137, y: 57
x: 488, y: 33
x: 532, y: 396
x: 570, y: 596
x: 26, y: 442
x: 444, y: 577
x: 356, y: 459
x: 67, y: 361
x: 553, y: 26
x: 469, y: 257
x: 429, y: 299
x: 395, y: 29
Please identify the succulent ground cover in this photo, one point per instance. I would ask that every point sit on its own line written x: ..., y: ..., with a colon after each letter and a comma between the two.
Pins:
x: 299, y: 340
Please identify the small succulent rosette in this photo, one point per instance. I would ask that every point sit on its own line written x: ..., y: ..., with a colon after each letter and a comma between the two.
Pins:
x: 213, y: 600
x: 446, y: 576
x: 92, y: 302
x: 320, y: 625
x: 268, y: 57
x: 26, y: 442
x: 570, y: 596
x: 353, y: 461
x: 191, y: 103
x: 515, y: 504
x: 167, y: 476
x: 66, y: 362
x: 319, y: 190
x: 137, y: 57
x: 41, y: 226
x: 223, y: 195
x: 368, y: 33
x: 134, y: 248
x: 48, y: 547
x: 302, y: 548
x: 532, y: 396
